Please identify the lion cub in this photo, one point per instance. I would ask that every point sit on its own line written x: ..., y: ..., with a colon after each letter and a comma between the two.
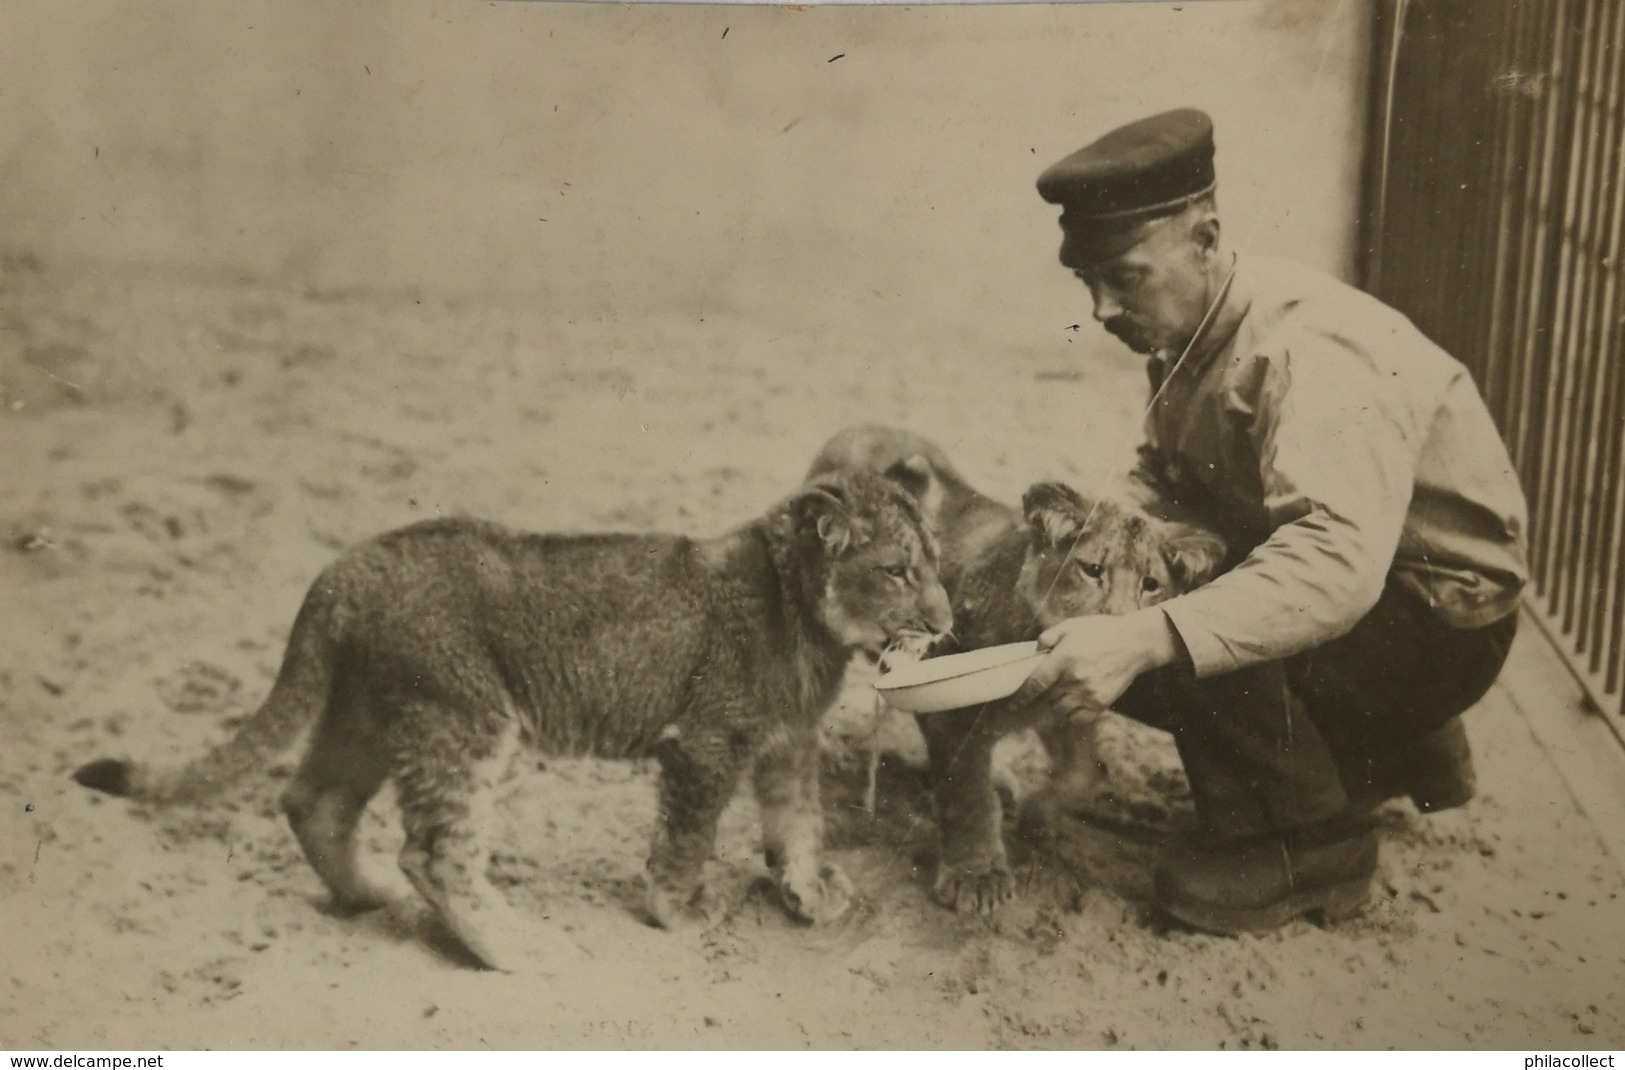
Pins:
x: 1010, y: 575
x: 425, y: 655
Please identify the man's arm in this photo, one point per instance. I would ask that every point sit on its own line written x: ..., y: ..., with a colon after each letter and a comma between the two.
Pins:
x: 1337, y: 464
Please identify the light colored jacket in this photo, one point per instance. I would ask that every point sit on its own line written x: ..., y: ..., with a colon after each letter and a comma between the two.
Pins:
x: 1333, y: 445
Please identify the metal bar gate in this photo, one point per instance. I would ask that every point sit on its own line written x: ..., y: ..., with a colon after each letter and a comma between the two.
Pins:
x: 1496, y: 221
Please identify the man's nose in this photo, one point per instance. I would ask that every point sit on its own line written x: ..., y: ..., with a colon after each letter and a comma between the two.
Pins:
x: 1106, y: 306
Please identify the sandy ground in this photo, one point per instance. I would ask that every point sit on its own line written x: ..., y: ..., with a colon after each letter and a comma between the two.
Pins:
x: 182, y: 459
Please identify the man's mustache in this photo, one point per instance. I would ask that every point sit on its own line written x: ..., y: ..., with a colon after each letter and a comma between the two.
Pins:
x: 1129, y: 333
x: 1122, y: 327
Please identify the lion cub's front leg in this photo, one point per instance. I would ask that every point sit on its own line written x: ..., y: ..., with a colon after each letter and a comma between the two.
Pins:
x: 1072, y: 743
x: 973, y: 875
x: 787, y: 794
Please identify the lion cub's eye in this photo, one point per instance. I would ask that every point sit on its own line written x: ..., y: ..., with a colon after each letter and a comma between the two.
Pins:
x: 1094, y: 570
x: 896, y: 572
x: 1151, y: 584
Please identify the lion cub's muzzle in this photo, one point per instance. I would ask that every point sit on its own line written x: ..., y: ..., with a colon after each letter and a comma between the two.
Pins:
x: 913, y: 638
x: 936, y: 615
x: 935, y: 621
x: 904, y: 645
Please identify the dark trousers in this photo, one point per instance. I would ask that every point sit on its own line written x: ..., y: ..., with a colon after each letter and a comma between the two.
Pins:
x: 1286, y: 743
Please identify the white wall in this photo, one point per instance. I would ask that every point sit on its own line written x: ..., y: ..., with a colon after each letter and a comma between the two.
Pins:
x: 407, y: 143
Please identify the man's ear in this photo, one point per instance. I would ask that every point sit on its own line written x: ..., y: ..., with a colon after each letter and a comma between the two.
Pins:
x: 1194, y: 556
x: 915, y: 475
x: 1205, y: 232
x: 1054, y: 511
x: 823, y: 507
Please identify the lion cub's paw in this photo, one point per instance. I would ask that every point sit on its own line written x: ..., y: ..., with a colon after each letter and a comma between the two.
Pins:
x: 978, y: 891
x: 675, y: 908
x: 818, y: 899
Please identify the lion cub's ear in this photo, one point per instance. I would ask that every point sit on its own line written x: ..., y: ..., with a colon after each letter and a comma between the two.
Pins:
x: 1055, y: 511
x: 915, y: 475
x: 1194, y: 556
x: 823, y: 506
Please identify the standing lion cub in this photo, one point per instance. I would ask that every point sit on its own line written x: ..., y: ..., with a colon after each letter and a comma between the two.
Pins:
x: 425, y: 655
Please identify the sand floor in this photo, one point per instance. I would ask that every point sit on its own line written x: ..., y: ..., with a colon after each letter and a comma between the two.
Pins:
x: 182, y: 459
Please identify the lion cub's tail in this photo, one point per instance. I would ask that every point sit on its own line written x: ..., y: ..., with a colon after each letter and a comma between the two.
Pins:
x: 300, y: 693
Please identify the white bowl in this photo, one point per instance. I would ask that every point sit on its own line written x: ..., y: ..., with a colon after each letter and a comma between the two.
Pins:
x: 959, y: 680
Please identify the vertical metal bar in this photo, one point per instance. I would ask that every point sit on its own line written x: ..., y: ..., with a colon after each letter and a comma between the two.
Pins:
x: 1388, y: 29
x: 1527, y: 81
x: 1607, y: 609
x: 1533, y: 386
x: 1591, y: 483
x: 1568, y: 485
x: 1563, y: 223
x: 1467, y: 228
x: 1428, y: 257
x: 1506, y: 127
x: 1479, y: 236
x: 1616, y: 476
x: 1545, y: 411
x: 1610, y: 608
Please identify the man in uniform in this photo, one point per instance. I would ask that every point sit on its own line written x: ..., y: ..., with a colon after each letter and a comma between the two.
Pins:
x: 1376, y: 528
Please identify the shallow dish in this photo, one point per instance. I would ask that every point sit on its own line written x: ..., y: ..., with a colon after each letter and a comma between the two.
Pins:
x: 959, y: 680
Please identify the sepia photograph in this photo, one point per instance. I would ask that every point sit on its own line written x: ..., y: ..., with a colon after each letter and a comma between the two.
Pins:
x: 541, y: 526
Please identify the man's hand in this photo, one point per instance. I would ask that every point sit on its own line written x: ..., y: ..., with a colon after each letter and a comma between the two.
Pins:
x: 1093, y: 660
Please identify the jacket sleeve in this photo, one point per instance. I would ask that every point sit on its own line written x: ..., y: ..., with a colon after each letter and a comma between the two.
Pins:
x: 1337, y: 466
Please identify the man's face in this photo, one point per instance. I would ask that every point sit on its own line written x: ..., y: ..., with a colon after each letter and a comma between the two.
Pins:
x: 1153, y: 296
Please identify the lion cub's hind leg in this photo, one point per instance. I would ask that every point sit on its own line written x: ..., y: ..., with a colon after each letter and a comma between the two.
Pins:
x: 447, y: 769
x: 699, y: 771
x: 346, y: 765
